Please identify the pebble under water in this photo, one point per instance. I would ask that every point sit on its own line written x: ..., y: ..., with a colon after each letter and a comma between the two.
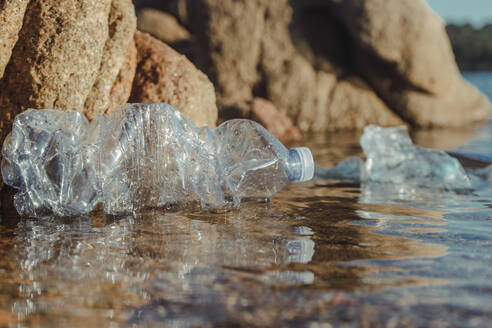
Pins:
x: 318, y: 252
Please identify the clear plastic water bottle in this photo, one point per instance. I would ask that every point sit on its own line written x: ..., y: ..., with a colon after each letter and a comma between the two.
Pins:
x: 142, y: 156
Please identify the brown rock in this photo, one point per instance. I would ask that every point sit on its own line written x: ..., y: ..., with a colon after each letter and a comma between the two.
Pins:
x: 162, y: 26
x: 276, y: 63
x: 355, y: 101
x: 163, y: 75
x: 56, y: 59
x: 177, y: 8
x: 11, y: 17
x: 228, y: 42
x: 122, y: 25
x: 384, y: 63
x: 122, y: 88
x: 402, y: 49
x: 67, y: 55
x: 279, y: 124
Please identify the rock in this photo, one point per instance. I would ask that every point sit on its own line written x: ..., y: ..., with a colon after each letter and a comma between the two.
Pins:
x: 402, y: 49
x: 276, y: 64
x: 162, y: 26
x: 56, y: 59
x: 122, y: 25
x: 279, y: 124
x: 354, y: 103
x: 177, y: 8
x: 163, y: 75
x: 334, y: 64
x: 11, y: 17
x: 228, y: 42
x: 166, y: 28
x: 122, y: 87
x: 67, y: 56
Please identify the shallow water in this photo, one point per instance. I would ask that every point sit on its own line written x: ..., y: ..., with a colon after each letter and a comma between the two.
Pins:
x: 318, y: 252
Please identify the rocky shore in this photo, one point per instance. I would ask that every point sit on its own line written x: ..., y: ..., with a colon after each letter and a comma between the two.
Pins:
x: 325, y: 64
x: 295, y: 66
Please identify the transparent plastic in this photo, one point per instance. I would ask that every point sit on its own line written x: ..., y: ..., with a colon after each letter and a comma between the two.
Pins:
x: 142, y: 156
x: 392, y: 158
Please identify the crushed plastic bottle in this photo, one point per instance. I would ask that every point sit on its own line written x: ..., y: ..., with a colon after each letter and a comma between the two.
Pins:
x: 392, y: 158
x: 142, y: 156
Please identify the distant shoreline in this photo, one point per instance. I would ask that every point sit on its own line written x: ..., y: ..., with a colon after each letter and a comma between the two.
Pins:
x: 472, y: 46
x: 484, y: 72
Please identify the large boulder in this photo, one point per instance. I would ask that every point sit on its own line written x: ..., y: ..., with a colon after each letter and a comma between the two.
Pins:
x: 82, y: 55
x: 166, y: 27
x: 402, y: 49
x: 265, y: 112
x: 229, y: 38
x: 334, y: 64
x: 164, y: 75
x: 67, y: 56
x: 11, y: 17
x: 122, y: 25
x: 162, y: 26
x: 249, y: 49
x: 122, y: 87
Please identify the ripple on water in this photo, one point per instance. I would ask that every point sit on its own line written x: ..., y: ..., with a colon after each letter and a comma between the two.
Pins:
x: 322, y: 251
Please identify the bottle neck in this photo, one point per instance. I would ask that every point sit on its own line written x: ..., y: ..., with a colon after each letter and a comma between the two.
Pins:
x: 300, y: 165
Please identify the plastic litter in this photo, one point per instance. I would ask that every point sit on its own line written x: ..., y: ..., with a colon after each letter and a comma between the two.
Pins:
x: 142, y: 156
x: 392, y: 158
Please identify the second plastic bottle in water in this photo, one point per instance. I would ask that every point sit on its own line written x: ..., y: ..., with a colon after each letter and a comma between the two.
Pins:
x: 142, y: 156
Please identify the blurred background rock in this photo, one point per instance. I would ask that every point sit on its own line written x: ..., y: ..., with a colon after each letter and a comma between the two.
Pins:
x: 326, y: 65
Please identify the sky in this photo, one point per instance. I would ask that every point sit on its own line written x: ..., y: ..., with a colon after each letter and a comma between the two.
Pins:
x: 477, y: 12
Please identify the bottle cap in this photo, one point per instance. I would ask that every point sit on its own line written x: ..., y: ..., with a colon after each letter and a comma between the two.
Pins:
x: 307, y: 163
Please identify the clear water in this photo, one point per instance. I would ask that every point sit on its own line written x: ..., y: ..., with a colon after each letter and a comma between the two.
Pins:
x: 318, y: 252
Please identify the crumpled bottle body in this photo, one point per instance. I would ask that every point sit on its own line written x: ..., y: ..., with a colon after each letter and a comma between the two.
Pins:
x: 50, y: 164
x: 138, y: 156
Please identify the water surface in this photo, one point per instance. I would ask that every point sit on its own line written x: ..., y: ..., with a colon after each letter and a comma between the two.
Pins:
x: 323, y: 252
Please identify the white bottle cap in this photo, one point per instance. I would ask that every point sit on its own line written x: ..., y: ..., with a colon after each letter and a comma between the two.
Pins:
x: 307, y: 162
